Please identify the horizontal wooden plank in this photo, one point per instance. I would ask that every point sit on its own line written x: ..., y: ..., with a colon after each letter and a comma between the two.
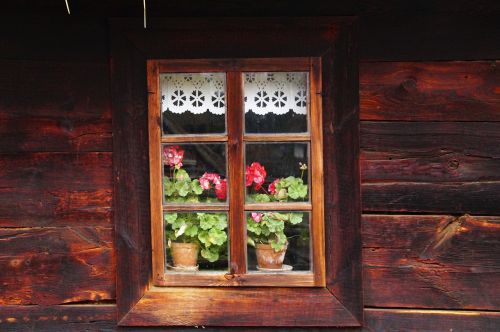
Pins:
x: 404, y: 320
x: 238, y: 307
x: 54, y: 106
x: 42, y: 189
x: 56, y: 265
x: 431, y: 261
x: 88, y: 317
x: 430, y: 91
x: 435, y: 167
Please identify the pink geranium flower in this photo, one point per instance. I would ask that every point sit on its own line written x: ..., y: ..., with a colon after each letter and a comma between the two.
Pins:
x: 255, y: 173
x: 257, y: 217
x: 208, y: 178
x: 173, y: 155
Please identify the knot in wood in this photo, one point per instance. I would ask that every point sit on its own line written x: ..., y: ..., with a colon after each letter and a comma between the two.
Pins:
x: 409, y: 84
x: 453, y: 164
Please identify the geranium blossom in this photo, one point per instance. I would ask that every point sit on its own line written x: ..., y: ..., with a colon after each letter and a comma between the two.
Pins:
x: 257, y: 217
x: 255, y: 173
x: 208, y: 178
x: 272, y: 186
x: 220, y: 189
x: 173, y: 155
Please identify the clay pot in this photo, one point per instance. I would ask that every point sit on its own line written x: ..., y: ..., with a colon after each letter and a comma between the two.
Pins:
x: 184, y: 254
x: 267, y: 258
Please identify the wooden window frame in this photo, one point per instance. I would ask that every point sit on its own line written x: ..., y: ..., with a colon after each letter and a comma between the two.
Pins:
x: 236, y: 207
x: 332, y: 41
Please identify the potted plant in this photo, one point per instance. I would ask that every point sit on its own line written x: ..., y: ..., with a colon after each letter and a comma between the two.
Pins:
x: 266, y: 230
x: 190, y: 234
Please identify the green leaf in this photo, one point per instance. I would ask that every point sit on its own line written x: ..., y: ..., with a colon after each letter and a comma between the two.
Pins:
x: 204, y: 238
x: 253, y: 227
x: 181, y: 175
x: 183, y: 188
x: 169, y: 186
x: 191, y: 230
x: 297, y: 190
x: 210, y: 254
x: 295, y: 218
x: 217, y: 237
x: 196, y: 187
x: 262, y: 198
x: 250, y: 241
x: 170, y: 218
x: 279, y: 243
x: 181, y: 230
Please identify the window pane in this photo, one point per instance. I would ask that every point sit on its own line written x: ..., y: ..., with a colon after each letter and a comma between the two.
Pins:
x: 193, y: 103
x: 194, y: 173
x: 276, y: 172
x: 278, y: 241
x: 196, y: 241
x: 276, y: 102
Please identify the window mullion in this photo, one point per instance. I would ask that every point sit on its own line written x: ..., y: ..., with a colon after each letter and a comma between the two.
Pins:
x: 237, y: 238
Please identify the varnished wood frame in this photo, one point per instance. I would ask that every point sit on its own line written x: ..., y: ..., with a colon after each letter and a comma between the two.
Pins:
x: 331, y: 39
x: 235, y: 138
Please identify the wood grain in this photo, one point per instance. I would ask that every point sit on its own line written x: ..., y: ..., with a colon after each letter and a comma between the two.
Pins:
x: 238, y: 307
x: 431, y: 320
x: 431, y: 261
x: 56, y: 265
x: 55, y: 318
x: 430, y: 91
x: 55, y: 189
x: 51, y: 106
x: 341, y: 171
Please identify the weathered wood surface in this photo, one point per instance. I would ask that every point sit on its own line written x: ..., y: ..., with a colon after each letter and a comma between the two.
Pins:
x: 247, y: 306
x: 403, y: 320
x: 430, y: 91
x: 62, y: 318
x: 54, y: 106
x: 55, y: 189
x: 56, y: 265
x: 431, y: 261
x: 446, y: 167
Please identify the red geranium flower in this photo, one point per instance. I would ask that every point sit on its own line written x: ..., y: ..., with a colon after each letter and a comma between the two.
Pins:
x: 272, y: 186
x: 255, y: 173
x: 173, y: 155
x: 208, y: 178
x: 220, y: 189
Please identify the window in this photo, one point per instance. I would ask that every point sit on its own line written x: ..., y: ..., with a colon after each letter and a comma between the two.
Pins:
x: 236, y: 172
x: 149, y: 292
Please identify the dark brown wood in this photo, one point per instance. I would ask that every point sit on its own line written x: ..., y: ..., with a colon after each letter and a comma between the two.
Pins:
x: 431, y: 261
x: 130, y: 172
x: 56, y: 265
x: 226, y: 65
x: 52, y: 106
x: 239, y: 307
x: 55, y: 189
x: 88, y: 317
x: 430, y: 91
x: 235, y: 160
x: 431, y: 167
x: 431, y: 320
x: 341, y: 178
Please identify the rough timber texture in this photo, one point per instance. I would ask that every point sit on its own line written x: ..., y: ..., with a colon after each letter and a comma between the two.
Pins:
x: 56, y: 265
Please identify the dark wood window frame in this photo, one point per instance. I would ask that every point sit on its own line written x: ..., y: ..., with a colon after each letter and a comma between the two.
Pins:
x: 332, y: 40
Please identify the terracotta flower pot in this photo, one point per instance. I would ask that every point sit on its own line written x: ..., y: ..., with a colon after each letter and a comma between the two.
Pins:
x: 267, y: 258
x: 184, y: 254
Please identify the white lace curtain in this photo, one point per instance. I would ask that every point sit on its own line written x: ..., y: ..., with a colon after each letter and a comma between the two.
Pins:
x: 277, y: 93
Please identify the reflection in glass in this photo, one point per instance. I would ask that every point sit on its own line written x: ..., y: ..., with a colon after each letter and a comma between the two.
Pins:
x: 275, y: 102
x: 196, y: 241
x: 194, y: 173
x: 193, y: 103
x: 278, y: 241
x: 276, y: 172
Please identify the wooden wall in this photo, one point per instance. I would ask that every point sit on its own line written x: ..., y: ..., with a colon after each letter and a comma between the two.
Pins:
x: 430, y: 161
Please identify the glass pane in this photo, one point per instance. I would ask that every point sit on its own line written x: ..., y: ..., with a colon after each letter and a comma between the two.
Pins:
x: 193, y: 103
x: 276, y: 172
x: 278, y: 241
x: 276, y: 102
x: 196, y: 241
x: 194, y: 173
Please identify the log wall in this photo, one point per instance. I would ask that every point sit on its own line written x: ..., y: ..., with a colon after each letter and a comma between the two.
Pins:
x: 430, y: 166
